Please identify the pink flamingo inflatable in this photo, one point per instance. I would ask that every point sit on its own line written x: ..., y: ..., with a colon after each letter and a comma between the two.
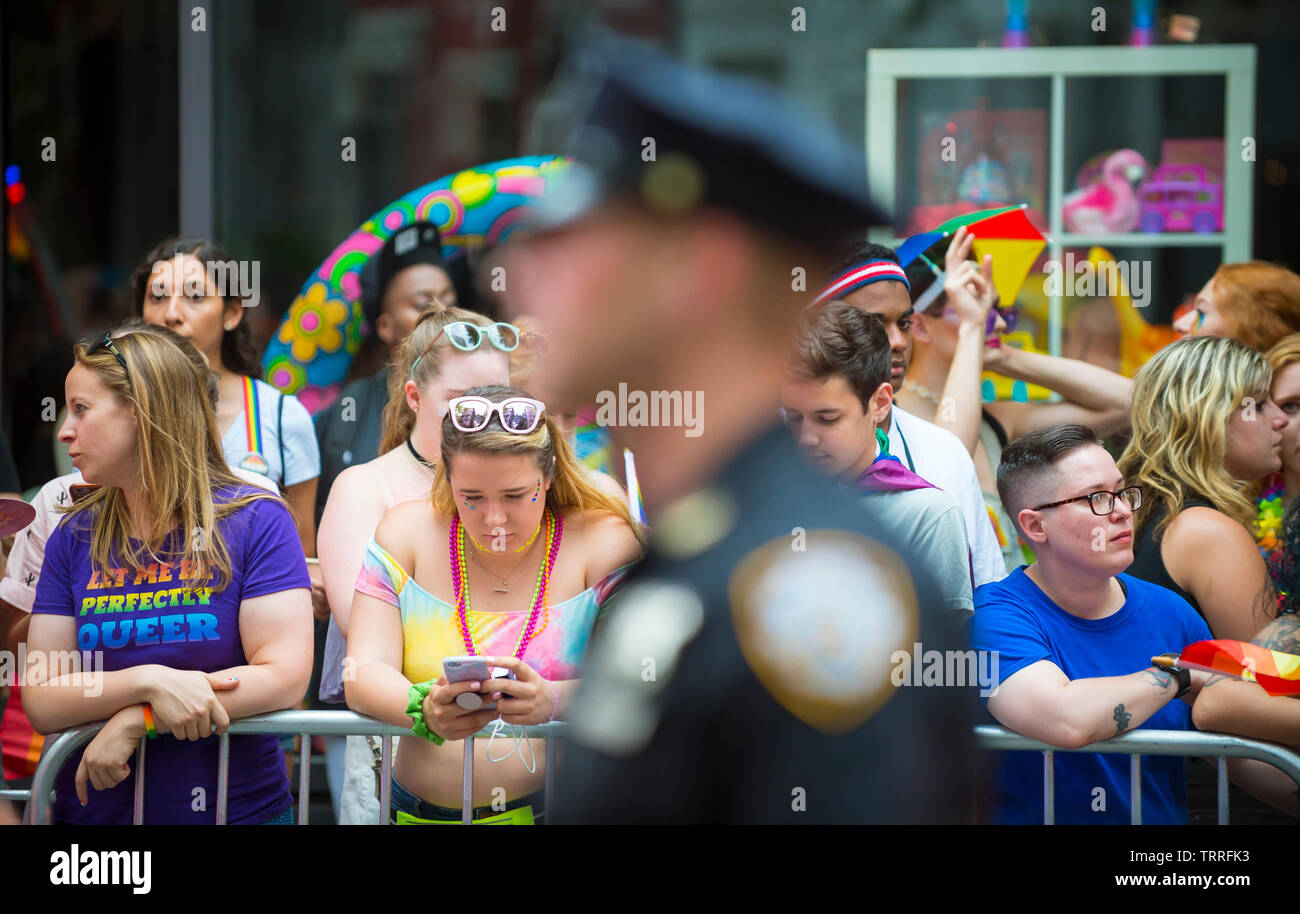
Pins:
x: 1108, y: 205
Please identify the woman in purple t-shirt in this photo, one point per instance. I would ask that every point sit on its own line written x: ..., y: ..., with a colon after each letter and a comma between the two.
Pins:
x: 188, y: 588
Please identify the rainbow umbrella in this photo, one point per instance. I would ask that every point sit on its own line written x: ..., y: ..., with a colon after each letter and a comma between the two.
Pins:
x: 1277, y: 673
x: 1004, y: 232
x: 917, y: 245
x: 309, y: 355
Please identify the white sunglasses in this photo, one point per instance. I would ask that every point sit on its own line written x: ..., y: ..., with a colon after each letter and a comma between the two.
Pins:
x: 519, y: 415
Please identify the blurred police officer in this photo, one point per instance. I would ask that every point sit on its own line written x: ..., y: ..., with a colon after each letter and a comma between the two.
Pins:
x: 746, y: 672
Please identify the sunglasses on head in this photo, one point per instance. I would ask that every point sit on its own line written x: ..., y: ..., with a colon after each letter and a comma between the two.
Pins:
x: 519, y: 415
x: 106, y: 342
x: 467, y: 337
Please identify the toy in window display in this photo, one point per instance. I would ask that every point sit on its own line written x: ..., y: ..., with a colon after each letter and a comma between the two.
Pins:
x: 1109, y: 204
x: 1181, y: 198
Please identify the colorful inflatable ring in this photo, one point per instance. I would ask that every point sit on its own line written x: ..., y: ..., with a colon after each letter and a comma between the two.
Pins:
x: 310, y: 353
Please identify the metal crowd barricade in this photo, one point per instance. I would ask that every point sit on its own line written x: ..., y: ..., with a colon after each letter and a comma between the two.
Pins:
x: 1138, y: 743
x: 59, y: 748
x: 1135, y: 744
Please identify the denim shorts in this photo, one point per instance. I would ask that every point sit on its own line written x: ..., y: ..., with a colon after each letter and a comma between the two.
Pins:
x: 284, y: 818
x: 412, y: 805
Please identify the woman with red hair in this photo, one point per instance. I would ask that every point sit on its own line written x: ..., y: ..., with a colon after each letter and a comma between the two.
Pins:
x: 1253, y: 302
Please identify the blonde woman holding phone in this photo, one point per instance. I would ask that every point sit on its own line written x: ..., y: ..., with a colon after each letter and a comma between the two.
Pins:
x: 509, y: 561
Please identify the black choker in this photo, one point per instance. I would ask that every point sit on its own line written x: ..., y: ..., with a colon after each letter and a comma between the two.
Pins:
x: 416, y: 454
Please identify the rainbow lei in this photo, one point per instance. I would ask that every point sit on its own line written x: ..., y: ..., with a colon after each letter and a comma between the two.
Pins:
x: 1268, y: 528
x: 460, y: 582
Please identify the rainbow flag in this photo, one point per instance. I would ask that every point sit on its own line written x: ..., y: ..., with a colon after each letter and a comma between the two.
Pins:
x: 1277, y: 673
x: 633, y: 487
x: 252, y: 425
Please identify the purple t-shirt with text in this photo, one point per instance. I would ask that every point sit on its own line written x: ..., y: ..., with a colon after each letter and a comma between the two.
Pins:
x: 160, y: 615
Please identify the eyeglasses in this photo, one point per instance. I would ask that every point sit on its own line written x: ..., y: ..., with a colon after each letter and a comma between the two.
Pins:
x: 467, y: 337
x: 1102, y: 503
x: 519, y: 415
x: 106, y: 342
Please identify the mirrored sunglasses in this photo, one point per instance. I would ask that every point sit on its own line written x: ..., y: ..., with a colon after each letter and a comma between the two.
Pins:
x: 468, y: 337
x: 519, y: 415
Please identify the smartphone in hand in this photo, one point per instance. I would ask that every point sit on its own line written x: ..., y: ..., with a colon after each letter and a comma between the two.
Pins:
x: 473, y: 669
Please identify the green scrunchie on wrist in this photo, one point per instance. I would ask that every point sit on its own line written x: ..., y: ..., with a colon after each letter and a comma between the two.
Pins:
x: 415, y: 710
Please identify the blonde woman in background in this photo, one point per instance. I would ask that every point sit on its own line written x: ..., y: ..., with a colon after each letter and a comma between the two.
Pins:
x: 440, y: 359
x: 1204, y: 431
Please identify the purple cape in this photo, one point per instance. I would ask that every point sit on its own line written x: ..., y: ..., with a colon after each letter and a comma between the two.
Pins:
x: 887, y: 474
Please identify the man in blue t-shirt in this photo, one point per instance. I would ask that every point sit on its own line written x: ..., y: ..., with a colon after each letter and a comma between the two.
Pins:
x: 1074, y: 638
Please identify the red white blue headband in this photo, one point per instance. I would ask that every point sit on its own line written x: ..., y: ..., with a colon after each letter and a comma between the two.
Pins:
x: 861, y: 275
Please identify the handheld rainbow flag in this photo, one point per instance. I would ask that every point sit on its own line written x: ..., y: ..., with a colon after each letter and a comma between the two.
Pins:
x: 633, y: 487
x: 1277, y: 673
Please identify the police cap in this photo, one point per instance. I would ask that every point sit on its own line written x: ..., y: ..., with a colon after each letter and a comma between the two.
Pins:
x: 644, y: 127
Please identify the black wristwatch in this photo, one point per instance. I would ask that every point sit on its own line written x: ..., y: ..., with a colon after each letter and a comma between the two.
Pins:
x: 1169, y: 663
x: 1184, y: 679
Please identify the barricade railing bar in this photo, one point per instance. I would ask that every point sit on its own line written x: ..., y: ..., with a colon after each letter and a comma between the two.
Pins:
x: 1138, y: 743
x: 59, y: 748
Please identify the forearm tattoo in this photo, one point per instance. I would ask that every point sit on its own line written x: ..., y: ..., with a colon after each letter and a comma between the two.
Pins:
x: 1159, y: 678
x: 1282, y: 635
x: 1121, y: 718
x: 1216, y: 677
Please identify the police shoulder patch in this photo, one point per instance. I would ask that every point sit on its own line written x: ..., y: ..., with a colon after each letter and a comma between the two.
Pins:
x: 818, y: 621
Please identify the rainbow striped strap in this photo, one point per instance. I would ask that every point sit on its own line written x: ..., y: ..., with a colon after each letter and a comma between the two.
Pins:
x: 252, y: 427
x: 148, y: 722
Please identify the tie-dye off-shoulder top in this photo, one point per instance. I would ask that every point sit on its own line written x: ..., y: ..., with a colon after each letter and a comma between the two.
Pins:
x: 430, y: 631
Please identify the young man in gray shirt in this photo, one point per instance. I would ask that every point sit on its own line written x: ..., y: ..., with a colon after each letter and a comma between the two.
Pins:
x: 834, y: 396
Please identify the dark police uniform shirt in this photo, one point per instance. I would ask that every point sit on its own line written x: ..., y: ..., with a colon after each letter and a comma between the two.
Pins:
x: 746, y: 671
